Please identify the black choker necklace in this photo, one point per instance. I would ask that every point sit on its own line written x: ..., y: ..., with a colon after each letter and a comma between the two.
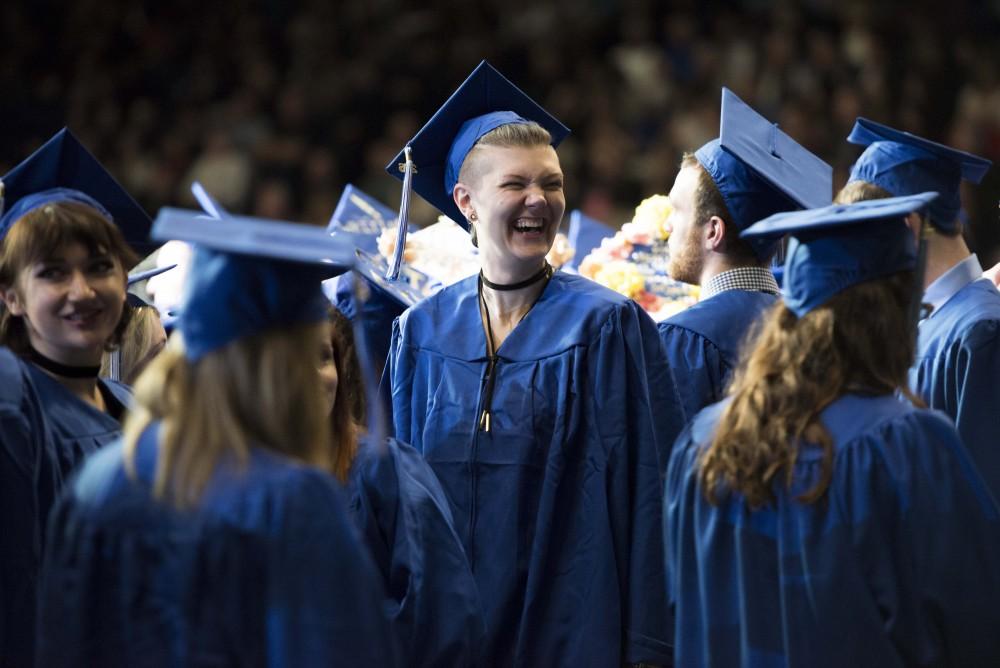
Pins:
x: 63, y: 370
x: 544, y: 272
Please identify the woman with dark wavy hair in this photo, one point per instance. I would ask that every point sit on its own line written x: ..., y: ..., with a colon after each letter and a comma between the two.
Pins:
x: 403, y: 515
x: 817, y: 516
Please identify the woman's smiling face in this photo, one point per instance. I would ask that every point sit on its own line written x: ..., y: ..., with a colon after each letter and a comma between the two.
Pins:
x: 70, y: 302
x: 517, y: 196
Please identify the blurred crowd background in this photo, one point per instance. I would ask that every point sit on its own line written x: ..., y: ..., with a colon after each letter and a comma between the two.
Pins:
x: 275, y: 105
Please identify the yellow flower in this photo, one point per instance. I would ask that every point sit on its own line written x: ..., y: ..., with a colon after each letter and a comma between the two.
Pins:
x: 651, y: 215
x: 622, y: 277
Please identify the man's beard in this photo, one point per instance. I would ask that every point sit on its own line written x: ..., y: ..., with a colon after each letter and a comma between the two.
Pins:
x: 686, y: 264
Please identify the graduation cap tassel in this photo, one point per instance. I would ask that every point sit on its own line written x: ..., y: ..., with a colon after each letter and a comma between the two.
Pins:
x: 115, y: 365
x: 376, y: 410
x: 404, y: 213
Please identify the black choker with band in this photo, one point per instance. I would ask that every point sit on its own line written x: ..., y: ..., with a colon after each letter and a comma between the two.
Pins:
x: 544, y: 272
x: 64, y: 370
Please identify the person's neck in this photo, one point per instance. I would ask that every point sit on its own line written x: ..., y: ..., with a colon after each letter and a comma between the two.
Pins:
x: 84, y: 388
x: 943, y: 253
x: 507, y: 307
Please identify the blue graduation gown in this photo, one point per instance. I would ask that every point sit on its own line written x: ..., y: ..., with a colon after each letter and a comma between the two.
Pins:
x: 45, y: 432
x: 703, y: 343
x: 957, y: 370
x: 896, y: 566
x: 267, y: 570
x: 404, y: 518
x: 558, y: 505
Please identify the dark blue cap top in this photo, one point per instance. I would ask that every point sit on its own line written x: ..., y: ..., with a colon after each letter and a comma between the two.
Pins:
x: 904, y: 164
x: 63, y: 170
x: 249, y: 275
x: 585, y: 234
x: 835, y: 247
x: 484, y: 102
x: 759, y: 170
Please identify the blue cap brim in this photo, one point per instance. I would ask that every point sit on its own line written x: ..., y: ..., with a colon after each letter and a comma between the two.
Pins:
x: 256, y: 237
x: 836, y: 247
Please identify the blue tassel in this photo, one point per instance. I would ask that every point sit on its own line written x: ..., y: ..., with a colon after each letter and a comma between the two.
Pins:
x: 404, y: 213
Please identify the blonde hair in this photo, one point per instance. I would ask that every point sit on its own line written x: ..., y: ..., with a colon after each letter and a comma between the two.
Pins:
x: 511, y: 135
x: 137, y: 342
x: 860, y: 191
x: 260, y: 391
x: 797, y: 368
x: 45, y: 230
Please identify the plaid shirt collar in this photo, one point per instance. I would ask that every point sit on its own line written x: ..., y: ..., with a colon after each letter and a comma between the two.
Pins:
x: 752, y: 279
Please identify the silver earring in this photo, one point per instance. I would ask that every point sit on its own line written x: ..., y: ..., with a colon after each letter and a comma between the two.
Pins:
x: 473, y: 217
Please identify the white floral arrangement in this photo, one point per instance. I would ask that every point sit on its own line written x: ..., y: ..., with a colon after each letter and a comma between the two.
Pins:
x: 634, y: 262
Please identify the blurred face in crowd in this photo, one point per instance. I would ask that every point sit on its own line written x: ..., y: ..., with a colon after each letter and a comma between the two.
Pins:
x: 685, y: 241
x: 516, y: 195
x: 70, y: 303
x: 328, y: 368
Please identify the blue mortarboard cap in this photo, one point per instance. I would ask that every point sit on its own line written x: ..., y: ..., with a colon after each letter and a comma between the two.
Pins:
x: 585, y: 234
x: 64, y: 170
x: 485, y: 101
x: 360, y: 219
x: 760, y: 170
x: 835, y: 247
x: 249, y: 275
x: 405, y: 291
x: 904, y: 164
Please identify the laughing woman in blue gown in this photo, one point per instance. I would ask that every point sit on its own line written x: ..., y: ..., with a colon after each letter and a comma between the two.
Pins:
x: 814, y: 517
x: 63, y: 264
x: 541, y: 400
x: 215, y: 533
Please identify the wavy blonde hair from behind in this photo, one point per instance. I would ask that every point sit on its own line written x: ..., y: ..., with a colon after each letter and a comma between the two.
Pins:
x: 797, y: 368
x: 260, y: 391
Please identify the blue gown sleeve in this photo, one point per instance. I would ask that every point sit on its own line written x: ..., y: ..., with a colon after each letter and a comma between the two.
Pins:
x: 397, y: 370
x: 698, y: 365
x: 931, y: 547
x: 969, y: 394
x: 405, y: 520
x: 20, y: 539
x: 640, y: 416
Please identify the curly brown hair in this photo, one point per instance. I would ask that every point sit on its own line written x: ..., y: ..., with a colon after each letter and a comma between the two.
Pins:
x: 348, y: 416
x: 797, y: 368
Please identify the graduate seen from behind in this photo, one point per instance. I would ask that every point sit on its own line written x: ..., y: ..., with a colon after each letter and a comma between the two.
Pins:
x: 66, y: 232
x: 957, y: 363
x: 816, y: 517
x: 541, y: 400
x: 402, y: 512
x: 751, y: 171
x: 215, y: 532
